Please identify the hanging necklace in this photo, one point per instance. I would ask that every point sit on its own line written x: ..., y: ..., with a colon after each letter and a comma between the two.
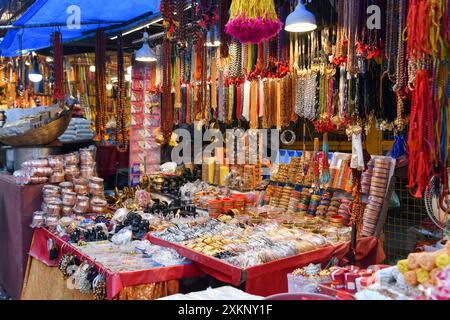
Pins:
x: 391, y: 46
x: 121, y: 131
x: 100, y: 85
x: 400, y: 86
x: 167, y: 107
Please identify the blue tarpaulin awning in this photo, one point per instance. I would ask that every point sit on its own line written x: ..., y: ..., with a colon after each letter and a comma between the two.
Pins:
x: 73, y: 18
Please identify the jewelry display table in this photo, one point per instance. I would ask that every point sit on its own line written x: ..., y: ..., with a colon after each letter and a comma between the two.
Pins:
x: 271, y: 278
x: 158, y: 282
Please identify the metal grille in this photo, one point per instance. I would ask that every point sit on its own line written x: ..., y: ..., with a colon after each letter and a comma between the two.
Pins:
x: 407, y: 226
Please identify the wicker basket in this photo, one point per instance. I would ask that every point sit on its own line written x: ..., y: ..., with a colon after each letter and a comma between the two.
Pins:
x: 40, y: 136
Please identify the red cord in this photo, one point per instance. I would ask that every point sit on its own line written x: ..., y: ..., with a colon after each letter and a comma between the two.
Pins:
x: 418, y: 26
x: 421, y: 135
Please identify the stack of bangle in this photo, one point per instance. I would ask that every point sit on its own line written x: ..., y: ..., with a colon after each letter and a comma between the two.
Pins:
x: 345, y: 210
x: 293, y: 203
x: 366, y: 178
x: 377, y: 194
x: 313, y: 205
x: 303, y: 204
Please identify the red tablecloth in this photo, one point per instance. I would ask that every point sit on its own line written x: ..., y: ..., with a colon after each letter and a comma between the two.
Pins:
x: 17, y: 204
x: 271, y: 278
x: 115, y: 282
x: 109, y: 159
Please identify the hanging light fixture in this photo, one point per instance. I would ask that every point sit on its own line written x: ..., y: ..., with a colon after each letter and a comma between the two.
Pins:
x: 300, y: 20
x: 145, y: 54
x: 35, y: 74
x: 92, y: 68
x: 213, y: 39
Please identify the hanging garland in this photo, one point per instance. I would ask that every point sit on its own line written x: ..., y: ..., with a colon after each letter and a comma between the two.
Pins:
x: 100, y: 85
x: 167, y: 9
x: 121, y: 130
x: 223, y: 18
x: 253, y: 21
x: 181, y: 26
x: 58, y: 86
x: 207, y: 13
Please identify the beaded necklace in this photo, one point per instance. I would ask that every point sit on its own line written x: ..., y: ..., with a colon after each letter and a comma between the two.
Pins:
x: 204, y: 82
x: 121, y: 131
x: 391, y: 46
x: 400, y: 86
x: 167, y: 106
x: 100, y: 84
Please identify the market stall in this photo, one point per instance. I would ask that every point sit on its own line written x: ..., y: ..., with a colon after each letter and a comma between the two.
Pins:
x: 231, y: 119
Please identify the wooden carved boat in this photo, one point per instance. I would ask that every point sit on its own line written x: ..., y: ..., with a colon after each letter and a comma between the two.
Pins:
x: 40, y: 136
x: 47, y: 133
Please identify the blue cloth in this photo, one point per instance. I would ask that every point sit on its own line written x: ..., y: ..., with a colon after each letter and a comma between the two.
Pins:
x: 101, y: 13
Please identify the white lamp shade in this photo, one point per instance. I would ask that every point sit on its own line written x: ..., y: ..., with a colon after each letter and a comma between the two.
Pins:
x: 35, y: 77
x: 145, y: 54
x: 300, y: 20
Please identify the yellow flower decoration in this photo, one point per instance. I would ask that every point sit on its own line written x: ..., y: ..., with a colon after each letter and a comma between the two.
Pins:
x: 422, y: 275
x: 442, y: 260
x: 402, y: 266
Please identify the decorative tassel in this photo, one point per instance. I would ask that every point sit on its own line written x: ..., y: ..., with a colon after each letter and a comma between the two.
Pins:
x: 253, y: 21
x: 325, y: 164
x: 400, y: 147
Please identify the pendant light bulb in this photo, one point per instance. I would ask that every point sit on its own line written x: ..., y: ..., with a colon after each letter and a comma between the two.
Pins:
x: 92, y: 68
x: 300, y: 20
x: 145, y: 53
x: 109, y: 86
x: 35, y: 75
